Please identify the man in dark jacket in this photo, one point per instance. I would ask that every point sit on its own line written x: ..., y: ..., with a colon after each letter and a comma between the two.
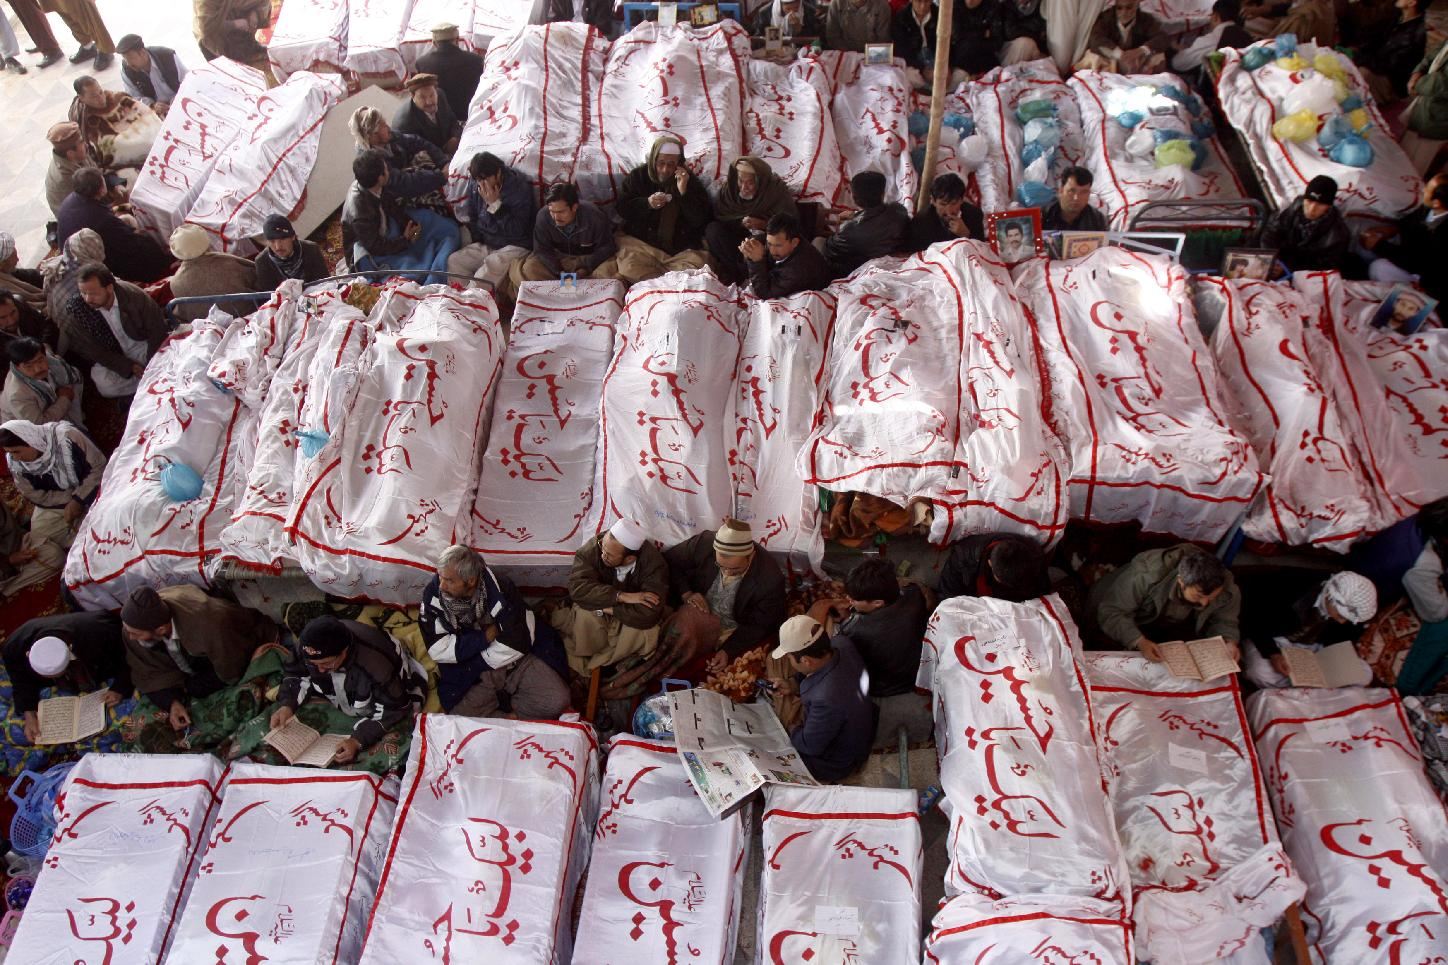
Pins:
x: 1000, y: 565
x: 838, y: 724
x: 379, y: 684
x: 876, y: 229
x: 665, y: 210
x: 1181, y: 593
x: 427, y: 114
x: 1020, y: 31
x: 598, y: 14
x: 75, y: 651
x: 783, y: 263
x: 1388, y: 55
x: 457, y: 70
x: 886, y: 623
x: 729, y: 575
x: 949, y: 216
x: 912, y: 31
x: 499, y: 211
x: 1126, y: 39
x: 569, y: 235
x: 19, y: 320
x: 750, y: 196
x: 1416, y: 249
x: 1310, y: 234
x: 379, y: 234
x: 483, y: 636
x: 130, y: 254
x: 114, y: 326
x: 416, y: 169
x: 976, y: 46
x: 287, y: 256
x: 617, y: 587
x: 152, y: 75
x: 1072, y: 210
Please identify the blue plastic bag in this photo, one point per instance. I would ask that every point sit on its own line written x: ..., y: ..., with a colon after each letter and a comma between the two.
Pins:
x: 1257, y: 57
x: 917, y: 158
x: 312, y: 441
x: 1161, y: 137
x: 180, y: 482
x: 1353, y: 151
x: 918, y: 124
x: 1334, y: 129
x: 1129, y: 119
x: 1285, y: 44
x: 1034, y: 194
x: 1203, y: 129
x: 1035, y: 150
x: 964, y: 124
x: 1351, y: 103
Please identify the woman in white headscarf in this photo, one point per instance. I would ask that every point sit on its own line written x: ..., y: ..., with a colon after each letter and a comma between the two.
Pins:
x: 58, y: 469
x: 1330, y: 612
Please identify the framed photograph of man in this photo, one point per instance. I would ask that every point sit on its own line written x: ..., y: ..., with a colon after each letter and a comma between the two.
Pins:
x: 1079, y: 244
x: 1015, y: 234
x: 1404, y: 310
x: 773, y: 38
x: 704, y: 15
x: 879, y: 53
x: 1254, y: 263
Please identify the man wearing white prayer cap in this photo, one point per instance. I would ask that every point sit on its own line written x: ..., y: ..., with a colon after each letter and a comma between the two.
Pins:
x: 1327, y: 612
x: 618, y: 585
x: 76, y: 653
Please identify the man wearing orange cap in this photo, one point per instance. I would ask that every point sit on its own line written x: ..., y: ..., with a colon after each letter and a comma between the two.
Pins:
x: 428, y: 114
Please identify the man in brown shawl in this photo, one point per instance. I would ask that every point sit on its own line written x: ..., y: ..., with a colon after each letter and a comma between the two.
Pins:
x: 751, y: 196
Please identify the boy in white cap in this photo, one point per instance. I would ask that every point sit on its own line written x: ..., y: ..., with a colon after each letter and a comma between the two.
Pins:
x: 838, y: 724
x: 75, y: 651
x: 618, y: 585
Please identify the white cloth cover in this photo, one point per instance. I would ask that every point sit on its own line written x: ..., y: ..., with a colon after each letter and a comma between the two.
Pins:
x: 1359, y: 819
x: 1134, y: 394
x: 1390, y: 390
x: 1124, y: 183
x: 1016, y: 738
x: 993, y: 100
x: 308, y: 35
x: 837, y: 857
x: 248, y: 897
x: 532, y: 104
x: 1316, y: 495
x: 932, y: 392
x: 1178, y: 16
x: 374, y: 39
x: 1207, y: 869
x: 1252, y: 101
x: 250, y: 352
x: 128, y: 829
x: 665, y: 878
x: 787, y: 122
x: 535, y: 502
x: 951, y: 157
x: 134, y: 535
x: 676, y: 80
x: 491, y: 837
x: 871, y: 112
x: 974, y: 930
x: 215, y: 105
x: 267, y: 171
x: 393, y: 485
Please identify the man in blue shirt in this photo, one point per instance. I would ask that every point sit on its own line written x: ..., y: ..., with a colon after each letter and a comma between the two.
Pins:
x: 838, y: 719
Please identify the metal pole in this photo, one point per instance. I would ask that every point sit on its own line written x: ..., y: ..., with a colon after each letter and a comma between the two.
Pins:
x: 945, y: 14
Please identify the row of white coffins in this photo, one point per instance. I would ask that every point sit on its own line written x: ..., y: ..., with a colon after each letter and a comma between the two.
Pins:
x: 1097, y: 807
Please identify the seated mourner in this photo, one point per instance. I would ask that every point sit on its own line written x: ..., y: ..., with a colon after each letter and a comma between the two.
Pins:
x: 664, y: 210
x: 1310, y: 233
x: 751, y: 195
x: 949, y: 216
x: 1181, y: 593
x: 58, y: 469
x: 1300, y: 608
x: 876, y: 229
x: 77, y: 651
x: 499, y: 210
x: 885, y: 621
x: 1000, y: 565
x: 783, y: 264
x: 833, y: 737
x: 40, y: 387
x: 617, y: 586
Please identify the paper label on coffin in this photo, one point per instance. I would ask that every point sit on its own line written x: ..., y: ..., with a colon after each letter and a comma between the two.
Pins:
x: 1134, y: 394
x: 1289, y: 409
x: 128, y: 829
x: 835, y: 856
x: 1018, y: 763
x: 665, y: 877
x: 1359, y: 820
x: 374, y: 38
x: 535, y: 504
x: 980, y: 931
x: 788, y: 124
x: 133, y: 534
x: 248, y: 902
x: 491, y: 836
x: 211, y: 110
x: 393, y: 485
x: 871, y: 117
x: 308, y: 36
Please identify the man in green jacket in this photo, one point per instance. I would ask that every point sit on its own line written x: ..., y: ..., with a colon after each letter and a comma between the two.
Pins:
x: 1181, y: 593
x: 1428, y: 116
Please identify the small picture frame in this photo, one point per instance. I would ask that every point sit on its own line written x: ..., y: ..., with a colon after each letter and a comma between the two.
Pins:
x: 668, y: 14
x: 773, y: 38
x: 876, y: 54
x: 568, y: 279
x: 1404, y: 310
x: 1015, y: 235
x: 1079, y: 244
x: 704, y: 15
x: 1253, y: 263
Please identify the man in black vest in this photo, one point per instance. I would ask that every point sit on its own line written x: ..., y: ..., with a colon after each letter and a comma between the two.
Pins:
x: 152, y: 75
x: 457, y: 70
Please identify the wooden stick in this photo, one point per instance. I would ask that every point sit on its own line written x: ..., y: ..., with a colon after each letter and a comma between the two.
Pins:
x: 944, y: 13
x: 1297, y: 934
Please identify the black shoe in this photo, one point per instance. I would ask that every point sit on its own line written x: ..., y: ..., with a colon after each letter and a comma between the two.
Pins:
x: 15, y: 66
x: 88, y: 52
x: 104, y: 60
x: 54, y: 57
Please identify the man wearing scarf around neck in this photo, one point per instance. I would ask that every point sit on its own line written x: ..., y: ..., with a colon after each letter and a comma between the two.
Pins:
x: 665, y: 210
x: 287, y: 256
x: 751, y: 196
x: 41, y: 387
x: 58, y: 469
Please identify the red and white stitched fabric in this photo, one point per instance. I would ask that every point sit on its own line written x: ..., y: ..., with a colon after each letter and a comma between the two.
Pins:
x: 310, y: 35
x: 478, y: 22
x: 1385, y: 190
x: 667, y: 80
x: 374, y: 38
x: 1179, y: 16
x: 532, y: 104
x: 666, y: 876
x: 306, y: 392
x: 1391, y: 390
x: 491, y: 838
x: 1317, y: 493
x: 1207, y: 869
x: 948, y: 159
x: 211, y: 110
x: 1134, y: 394
x: 975, y: 930
x: 1359, y: 819
x: 1125, y: 183
x: 247, y: 899
x: 842, y: 870
x: 871, y: 111
x: 994, y: 99
x: 266, y: 171
x: 932, y: 392
x: 127, y: 832
x: 535, y: 504
x: 666, y: 400
x: 787, y: 123
x: 393, y: 484
x: 134, y: 535
x: 1016, y: 738
x: 249, y: 353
